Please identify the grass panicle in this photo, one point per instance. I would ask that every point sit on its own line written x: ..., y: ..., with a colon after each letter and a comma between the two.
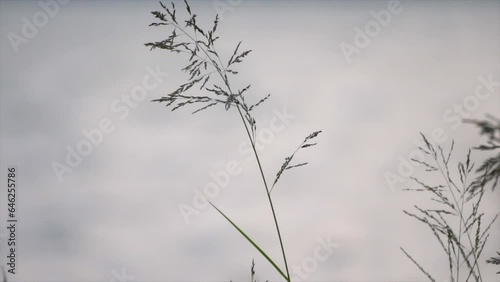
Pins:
x: 209, y: 73
x: 458, y: 225
x: 286, y: 165
x: 253, y: 275
x: 489, y: 127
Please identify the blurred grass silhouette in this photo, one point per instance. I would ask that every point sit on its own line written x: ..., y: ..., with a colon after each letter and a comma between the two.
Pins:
x: 458, y: 223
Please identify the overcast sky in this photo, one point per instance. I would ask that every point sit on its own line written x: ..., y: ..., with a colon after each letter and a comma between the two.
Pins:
x: 70, y: 69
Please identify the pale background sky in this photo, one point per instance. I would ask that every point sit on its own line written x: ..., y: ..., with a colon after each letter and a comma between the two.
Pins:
x: 119, y: 208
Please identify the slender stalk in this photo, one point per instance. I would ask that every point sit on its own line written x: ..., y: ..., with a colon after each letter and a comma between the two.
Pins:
x: 222, y: 74
x: 462, y: 221
x: 267, y: 192
x: 462, y: 199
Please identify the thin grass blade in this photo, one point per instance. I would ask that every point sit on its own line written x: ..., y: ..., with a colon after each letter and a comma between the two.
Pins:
x: 252, y: 242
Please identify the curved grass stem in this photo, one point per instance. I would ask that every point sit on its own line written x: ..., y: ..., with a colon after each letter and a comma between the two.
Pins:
x: 267, y: 192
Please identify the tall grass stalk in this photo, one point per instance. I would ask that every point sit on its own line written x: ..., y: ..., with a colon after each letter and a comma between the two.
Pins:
x: 490, y: 127
x: 203, y: 62
x: 457, y: 222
